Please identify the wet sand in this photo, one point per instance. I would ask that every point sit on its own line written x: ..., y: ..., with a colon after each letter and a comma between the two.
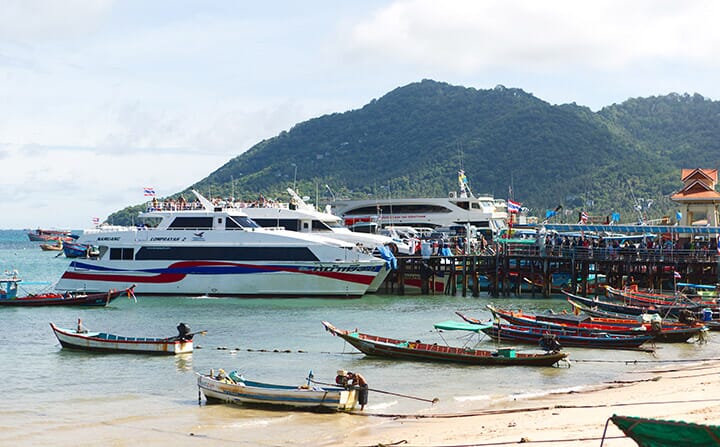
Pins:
x: 680, y: 392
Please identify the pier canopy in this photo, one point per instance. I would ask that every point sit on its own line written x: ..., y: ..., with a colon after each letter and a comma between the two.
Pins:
x: 630, y: 229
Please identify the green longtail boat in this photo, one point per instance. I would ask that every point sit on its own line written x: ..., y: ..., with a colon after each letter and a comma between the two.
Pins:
x: 664, y: 433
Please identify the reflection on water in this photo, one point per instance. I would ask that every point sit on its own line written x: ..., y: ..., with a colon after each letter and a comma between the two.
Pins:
x: 183, y: 362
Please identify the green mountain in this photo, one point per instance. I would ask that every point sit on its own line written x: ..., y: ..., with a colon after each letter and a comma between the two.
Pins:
x: 412, y: 141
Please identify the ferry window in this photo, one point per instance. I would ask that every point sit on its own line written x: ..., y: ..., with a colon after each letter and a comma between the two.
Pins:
x: 241, y: 222
x: 196, y: 223
x: 318, y: 225
x: 220, y: 220
x: 125, y: 254
x: 409, y: 208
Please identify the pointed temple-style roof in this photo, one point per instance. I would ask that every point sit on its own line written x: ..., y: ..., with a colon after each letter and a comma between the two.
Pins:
x: 698, y: 186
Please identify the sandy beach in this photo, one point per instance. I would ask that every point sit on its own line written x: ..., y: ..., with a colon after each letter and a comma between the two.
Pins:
x: 680, y: 392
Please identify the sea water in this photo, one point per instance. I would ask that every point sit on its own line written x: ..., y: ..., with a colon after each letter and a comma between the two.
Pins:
x: 51, y: 394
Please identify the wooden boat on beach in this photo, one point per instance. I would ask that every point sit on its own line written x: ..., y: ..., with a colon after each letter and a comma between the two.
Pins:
x: 417, y: 350
x: 661, y: 331
x: 82, y: 339
x: 235, y: 389
x: 9, y: 289
x: 665, y: 433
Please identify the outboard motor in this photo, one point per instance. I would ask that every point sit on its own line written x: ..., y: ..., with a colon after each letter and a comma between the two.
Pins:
x: 550, y: 343
x: 184, y: 332
x: 686, y: 316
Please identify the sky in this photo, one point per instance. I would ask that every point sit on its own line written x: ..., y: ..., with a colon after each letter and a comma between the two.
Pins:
x: 100, y: 99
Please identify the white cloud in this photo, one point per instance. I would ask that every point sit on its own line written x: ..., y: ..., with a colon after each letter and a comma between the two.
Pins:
x: 33, y: 20
x: 552, y: 35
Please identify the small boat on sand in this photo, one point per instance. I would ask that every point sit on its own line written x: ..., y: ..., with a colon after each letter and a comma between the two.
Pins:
x: 81, y: 338
x: 416, y: 350
x: 235, y: 389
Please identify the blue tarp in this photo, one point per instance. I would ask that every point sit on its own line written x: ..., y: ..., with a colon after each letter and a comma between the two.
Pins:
x: 388, y: 256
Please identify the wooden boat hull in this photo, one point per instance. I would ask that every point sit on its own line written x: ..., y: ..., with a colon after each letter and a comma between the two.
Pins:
x: 103, y: 342
x: 245, y: 392
x: 69, y: 299
x: 506, y: 332
x: 408, y: 350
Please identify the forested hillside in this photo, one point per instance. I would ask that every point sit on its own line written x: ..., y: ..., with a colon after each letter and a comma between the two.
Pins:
x: 412, y: 141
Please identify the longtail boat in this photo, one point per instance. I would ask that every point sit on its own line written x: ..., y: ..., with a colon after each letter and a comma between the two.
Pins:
x: 235, y: 389
x: 594, y: 310
x: 566, y: 337
x: 82, y: 339
x: 666, y: 433
x: 660, y: 301
x: 629, y: 309
x: 417, y: 350
x: 9, y: 289
x: 587, y: 324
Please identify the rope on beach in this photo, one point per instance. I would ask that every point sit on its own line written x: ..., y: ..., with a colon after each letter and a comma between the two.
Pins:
x: 275, y: 350
x: 631, y: 362
x: 533, y: 409
x: 522, y: 440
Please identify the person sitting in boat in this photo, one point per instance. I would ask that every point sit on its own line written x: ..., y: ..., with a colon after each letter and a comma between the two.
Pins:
x: 80, y: 328
x: 184, y: 332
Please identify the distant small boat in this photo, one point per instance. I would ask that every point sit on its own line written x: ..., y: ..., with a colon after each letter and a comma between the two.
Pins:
x: 235, y: 389
x: 56, y: 245
x: 9, y: 289
x: 41, y: 235
x: 82, y: 339
x: 73, y: 250
x: 416, y: 350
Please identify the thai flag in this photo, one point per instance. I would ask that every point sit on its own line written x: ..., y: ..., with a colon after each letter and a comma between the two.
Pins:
x: 676, y: 274
x: 96, y: 220
x: 149, y: 191
x: 513, y: 207
x: 583, y: 217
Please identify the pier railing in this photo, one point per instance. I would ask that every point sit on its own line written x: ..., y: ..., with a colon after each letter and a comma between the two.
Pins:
x: 663, y: 255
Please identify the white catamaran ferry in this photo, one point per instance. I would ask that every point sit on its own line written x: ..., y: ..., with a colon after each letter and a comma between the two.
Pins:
x: 206, y: 249
x: 462, y: 207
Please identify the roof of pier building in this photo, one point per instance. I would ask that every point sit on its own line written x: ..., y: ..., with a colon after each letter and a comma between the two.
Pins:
x: 698, y: 186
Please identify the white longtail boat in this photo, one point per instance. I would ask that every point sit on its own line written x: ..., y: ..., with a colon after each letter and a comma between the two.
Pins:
x: 79, y: 338
x: 235, y: 389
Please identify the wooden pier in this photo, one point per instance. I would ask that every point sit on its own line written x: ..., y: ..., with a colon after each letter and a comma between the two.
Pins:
x: 505, y: 271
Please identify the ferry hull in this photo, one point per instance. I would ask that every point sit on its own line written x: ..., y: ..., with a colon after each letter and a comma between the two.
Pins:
x: 195, y: 278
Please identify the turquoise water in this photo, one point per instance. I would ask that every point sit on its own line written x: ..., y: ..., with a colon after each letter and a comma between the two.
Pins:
x: 41, y: 382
